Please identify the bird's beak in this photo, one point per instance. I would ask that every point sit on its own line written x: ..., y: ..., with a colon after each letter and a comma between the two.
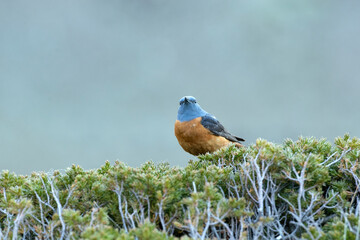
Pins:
x: 186, y: 100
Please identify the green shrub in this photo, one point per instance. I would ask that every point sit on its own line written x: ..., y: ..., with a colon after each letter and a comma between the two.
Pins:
x: 304, y: 189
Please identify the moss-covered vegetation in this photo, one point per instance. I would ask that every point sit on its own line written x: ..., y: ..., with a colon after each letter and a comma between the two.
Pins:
x: 304, y: 189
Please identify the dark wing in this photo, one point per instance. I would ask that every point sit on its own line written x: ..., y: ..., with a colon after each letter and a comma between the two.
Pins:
x: 211, y: 123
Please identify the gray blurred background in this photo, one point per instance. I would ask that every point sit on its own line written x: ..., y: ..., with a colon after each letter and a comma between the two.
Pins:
x: 84, y: 81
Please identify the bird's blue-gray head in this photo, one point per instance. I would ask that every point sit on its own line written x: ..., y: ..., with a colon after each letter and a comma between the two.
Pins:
x: 189, y: 109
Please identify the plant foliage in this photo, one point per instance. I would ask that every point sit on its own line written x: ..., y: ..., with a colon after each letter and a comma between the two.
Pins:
x: 304, y: 189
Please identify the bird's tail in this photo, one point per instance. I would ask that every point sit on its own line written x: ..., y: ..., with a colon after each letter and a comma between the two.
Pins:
x: 239, y: 139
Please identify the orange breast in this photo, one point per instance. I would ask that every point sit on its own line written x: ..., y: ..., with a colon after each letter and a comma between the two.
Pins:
x: 196, y: 139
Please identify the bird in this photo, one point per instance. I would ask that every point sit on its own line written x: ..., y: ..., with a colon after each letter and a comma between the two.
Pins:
x: 199, y: 132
